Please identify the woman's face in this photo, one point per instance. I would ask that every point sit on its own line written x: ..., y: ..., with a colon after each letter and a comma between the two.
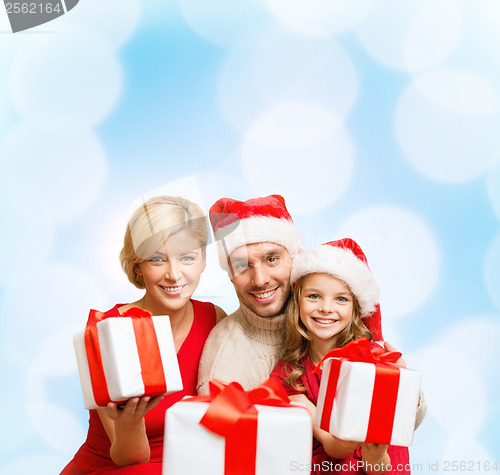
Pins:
x: 172, y: 273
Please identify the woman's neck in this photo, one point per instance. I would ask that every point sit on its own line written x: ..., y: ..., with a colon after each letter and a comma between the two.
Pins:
x: 176, y: 315
x: 181, y: 319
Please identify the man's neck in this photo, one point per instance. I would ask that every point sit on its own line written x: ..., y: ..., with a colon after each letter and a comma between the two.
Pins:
x: 274, y: 322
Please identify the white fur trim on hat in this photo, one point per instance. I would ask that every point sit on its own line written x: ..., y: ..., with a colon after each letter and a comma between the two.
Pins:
x: 344, y: 265
x: 258, y: 229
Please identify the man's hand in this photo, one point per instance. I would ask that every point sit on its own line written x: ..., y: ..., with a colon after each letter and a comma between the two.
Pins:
x: 388, y: 347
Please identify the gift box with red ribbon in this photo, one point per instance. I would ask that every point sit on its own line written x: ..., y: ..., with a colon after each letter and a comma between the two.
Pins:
x: 237, y: 432
x: 365, y: 397
x: 126, y: 356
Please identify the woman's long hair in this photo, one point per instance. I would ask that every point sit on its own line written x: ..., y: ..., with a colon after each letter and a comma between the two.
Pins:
x: 297, y: 337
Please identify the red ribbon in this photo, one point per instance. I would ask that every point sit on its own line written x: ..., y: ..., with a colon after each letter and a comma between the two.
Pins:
x: 385, y: 390
x: 147, y: 348
x: 232, y: 415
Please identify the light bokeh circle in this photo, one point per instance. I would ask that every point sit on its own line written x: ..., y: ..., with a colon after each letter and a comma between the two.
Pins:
x: 448, y: 393
x: 34, y: 463
x: 215, y: 184
x: 402, y: 252
x: 468, y: 453
x: 27, y: 226
x: 223, y: 21
x: 479, y: 332
x: 446, y: 123
x: 56, y: 354
x: 452, y: 379
x: 411, y: 35
x: 491, y: 270
x: 301, y: 151
x: 3, y: 107
x: 67, y: 170
x: 67, y: 81
x: 276, y: 66
x: 493, y: 186
x: 57, y: 426
x: 115, y: 20
x: 460, y: 91
x: 16, y: 417
x: 433, y: 34
x: 61, y: 296
x: 485, y: 14
x: 321, y: 18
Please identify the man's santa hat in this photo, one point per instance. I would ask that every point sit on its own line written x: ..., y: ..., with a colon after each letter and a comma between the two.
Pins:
x: 237, y: 223
x: 345, y: 260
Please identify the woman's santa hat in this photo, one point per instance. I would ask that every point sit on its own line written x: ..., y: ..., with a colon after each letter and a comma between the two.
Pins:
x: 345, y: 260
x: 237, y: 223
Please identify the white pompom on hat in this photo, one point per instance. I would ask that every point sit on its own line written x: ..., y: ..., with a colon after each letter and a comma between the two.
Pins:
x: 345, y: 260
x: 237, y: 223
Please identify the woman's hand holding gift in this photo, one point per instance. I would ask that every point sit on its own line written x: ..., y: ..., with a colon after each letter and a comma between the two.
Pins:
x: 126, y: 429
x: 133, y: 411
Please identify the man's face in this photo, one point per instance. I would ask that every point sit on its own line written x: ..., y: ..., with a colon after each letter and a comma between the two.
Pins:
x: 261, y: 277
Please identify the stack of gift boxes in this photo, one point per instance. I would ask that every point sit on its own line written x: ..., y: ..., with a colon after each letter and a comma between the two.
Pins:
x: 364, y: 396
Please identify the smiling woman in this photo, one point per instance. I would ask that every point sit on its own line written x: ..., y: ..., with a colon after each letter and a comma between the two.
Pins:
x: 163, y: 253
x: 171, y: 275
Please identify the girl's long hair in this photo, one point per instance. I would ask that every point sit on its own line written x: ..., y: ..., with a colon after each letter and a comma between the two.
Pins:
x: 297, y: 337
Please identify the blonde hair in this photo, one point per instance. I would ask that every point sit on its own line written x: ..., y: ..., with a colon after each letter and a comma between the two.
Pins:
x: 297, y: 338
x: 152, y: 223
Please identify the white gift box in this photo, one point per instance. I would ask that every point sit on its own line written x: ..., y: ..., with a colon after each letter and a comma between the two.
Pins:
x: 284, y: 441
x: 120, y: 359
x: 351, y: 414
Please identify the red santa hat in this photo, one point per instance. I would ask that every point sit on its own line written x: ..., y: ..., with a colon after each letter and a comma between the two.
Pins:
x: 237, y: 223
x: 345, y: 260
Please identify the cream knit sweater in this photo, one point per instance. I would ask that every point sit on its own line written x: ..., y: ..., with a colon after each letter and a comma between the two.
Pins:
x: 244, y: 347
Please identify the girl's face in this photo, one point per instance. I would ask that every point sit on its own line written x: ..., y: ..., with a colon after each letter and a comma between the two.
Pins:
x: 326, y: 306
x: 172, y: 274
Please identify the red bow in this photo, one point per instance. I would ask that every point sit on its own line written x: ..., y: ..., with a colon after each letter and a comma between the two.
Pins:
x: 359, y: 350
x: 385, y: 390
x: 135, y: 312
x: 232, y: 415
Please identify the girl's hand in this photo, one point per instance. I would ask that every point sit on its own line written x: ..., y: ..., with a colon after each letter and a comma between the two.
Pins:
x: 311, y: 408
x: 372, y: 453
x: 375, y: 458
x: 334, y: 447
x: 346, y: 445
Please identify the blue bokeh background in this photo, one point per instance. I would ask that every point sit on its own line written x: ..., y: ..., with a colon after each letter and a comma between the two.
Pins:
x: 375, y: 119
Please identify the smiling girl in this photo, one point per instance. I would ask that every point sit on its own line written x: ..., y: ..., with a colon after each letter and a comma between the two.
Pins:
x: 335, y: 301
x: 164, y: 254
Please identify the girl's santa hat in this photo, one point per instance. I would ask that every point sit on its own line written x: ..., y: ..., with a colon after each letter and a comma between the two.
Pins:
x: 345, y: 260
x: 237, y: 223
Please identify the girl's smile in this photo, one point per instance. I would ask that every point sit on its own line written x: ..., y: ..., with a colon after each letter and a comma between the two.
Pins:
x: 326, y: 307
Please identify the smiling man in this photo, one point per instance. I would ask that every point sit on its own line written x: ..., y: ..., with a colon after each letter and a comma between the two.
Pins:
x: 257, y: 241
